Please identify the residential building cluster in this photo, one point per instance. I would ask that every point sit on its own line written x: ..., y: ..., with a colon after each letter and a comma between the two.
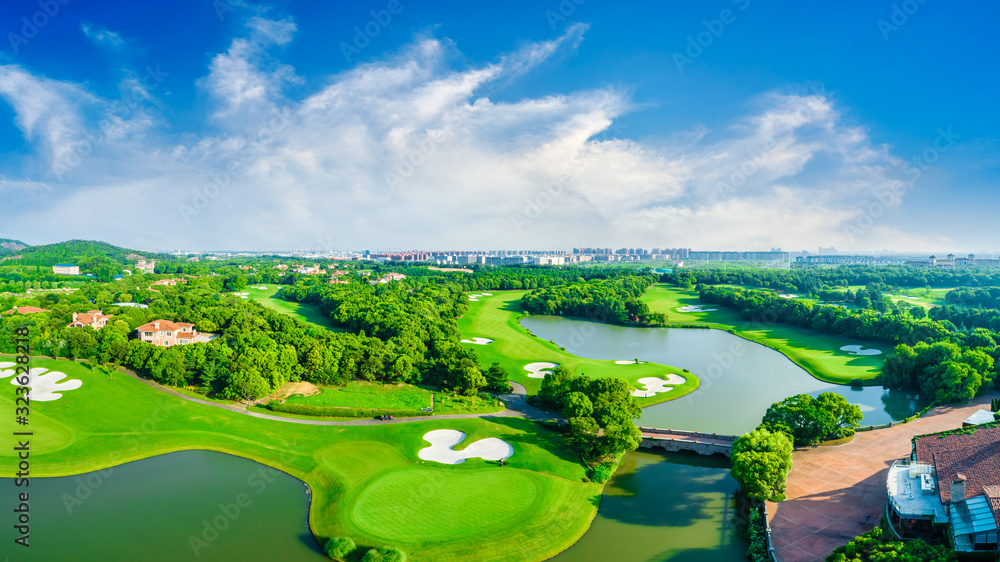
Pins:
x: 948, y: 262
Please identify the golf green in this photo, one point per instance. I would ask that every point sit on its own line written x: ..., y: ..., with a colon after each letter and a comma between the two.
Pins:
x: 497, y: 318
x: 447, y: 495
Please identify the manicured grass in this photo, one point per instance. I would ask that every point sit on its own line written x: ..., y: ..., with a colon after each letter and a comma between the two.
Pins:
x: 359, y: 394
x: 496, y: 318
x: 817, y: 353
x: 304, y: 312
x: 351, y: 470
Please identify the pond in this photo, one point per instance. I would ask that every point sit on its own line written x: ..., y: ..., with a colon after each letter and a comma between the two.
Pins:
x: 190, y: 505
x: 666, y: 506
x: 739, y: 378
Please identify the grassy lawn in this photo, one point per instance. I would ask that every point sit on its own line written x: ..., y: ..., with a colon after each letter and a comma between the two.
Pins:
x: 367, y: 482
x: 817, y: 353
x: 496, y: 318
x: 360, y: 394
x: 304, y: 312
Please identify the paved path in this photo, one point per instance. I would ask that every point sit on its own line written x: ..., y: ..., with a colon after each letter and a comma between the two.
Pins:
x: 517, y: 406
x: 836, y: 493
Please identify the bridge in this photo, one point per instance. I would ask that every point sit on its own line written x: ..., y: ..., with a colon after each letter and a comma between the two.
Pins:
x: 679, y: 440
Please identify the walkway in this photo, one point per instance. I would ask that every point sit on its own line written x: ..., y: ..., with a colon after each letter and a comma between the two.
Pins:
x: 836, y: 493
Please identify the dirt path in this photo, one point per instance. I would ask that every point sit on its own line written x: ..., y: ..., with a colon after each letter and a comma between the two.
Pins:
x: 836, y: 493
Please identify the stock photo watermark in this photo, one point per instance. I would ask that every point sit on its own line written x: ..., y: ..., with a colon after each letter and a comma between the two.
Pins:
x: 899, y: 17
x: 713, y: 29
x: 33, y: 24
x: 121, y: 109
x: 887, y: 198
x: 220, y: 180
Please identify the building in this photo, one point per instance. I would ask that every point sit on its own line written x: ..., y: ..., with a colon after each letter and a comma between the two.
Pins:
x: 94, y: 319
x: 164, y: 333
x: 146, y: 266
x: 951, y: 478
x: 66, y: 269
x: 169, y: 281
x: 549, y: 260
x: 25, y: 310
x: 391, y: 277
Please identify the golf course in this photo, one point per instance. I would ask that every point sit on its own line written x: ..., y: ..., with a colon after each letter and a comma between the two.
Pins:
x: 819, y: 354
x: 496, y: 318
x: 361, y: 477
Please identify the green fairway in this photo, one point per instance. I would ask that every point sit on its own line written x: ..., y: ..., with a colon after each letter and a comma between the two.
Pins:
x: 367, y: 481
x: 304, y: 312
x: 496, y: 318
x: 358, y: 394
x: 817, y: 353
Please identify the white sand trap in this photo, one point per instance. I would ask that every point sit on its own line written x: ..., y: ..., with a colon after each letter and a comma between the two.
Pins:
x: 486, y: 295
x: 475, y: 298
x: 857, y: 350
x: 655, y: 385
x: 788, y: 296
x: 540, y: 369
x: 627, y: 362
x: 478, y: 341
x: 261, y: 288
x: 695, y: 308
x: 443, y: 440
x: 45, y: 386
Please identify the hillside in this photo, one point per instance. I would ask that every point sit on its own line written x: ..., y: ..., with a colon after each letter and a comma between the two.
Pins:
x: 81, y: 252
x: 8, y: 246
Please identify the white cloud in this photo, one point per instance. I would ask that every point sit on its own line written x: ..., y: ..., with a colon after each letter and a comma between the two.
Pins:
x: 409, y: 152
x: 101, y: 36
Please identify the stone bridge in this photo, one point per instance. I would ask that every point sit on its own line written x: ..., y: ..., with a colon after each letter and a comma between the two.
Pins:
x: 680, y: 440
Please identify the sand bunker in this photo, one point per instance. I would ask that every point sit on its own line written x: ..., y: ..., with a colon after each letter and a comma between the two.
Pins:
x: 788, y: 296
x: 475, y: 298
x: 655, y: 385
x: 627, y: 362
x: 478, y: 341
x: 540, y: 369
x: 857, y: 350
x: 695, y: 308
x: 442, y: 441
x: 261, y: 288
x: 45, y: 386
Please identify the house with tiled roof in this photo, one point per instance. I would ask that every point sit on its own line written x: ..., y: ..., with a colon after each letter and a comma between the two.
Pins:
x: 169, y: 281
x: 94, y: 319
x: 952, y: 478
x: 25, y: 310
x: 391, y: 277
x: 164, y: 333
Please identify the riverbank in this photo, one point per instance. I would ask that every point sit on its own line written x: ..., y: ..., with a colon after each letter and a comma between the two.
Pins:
x: 819, y: 354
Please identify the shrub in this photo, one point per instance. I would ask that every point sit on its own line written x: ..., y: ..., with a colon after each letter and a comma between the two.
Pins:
x: 340, y: 547
x: 602, y: 473
x: 384, y: 554
x: 757, y: 551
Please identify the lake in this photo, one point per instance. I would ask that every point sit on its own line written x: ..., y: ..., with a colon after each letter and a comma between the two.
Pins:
x: 157, y: 509
x: 680, y: 507
x: 739, y: 378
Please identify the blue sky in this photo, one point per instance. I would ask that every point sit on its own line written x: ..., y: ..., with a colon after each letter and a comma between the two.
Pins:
x: 713, y: 125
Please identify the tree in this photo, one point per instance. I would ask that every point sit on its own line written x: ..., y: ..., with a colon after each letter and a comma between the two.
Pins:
x: 809, y: 420
x: 761, y: 461
x: 340, y: 547
x: 577, y: 405
x: 469, y: 378
x: 870, y: 547
x: 497, y: 379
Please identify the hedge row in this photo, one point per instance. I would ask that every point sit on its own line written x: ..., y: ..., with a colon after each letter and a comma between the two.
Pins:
x: 339, y: 412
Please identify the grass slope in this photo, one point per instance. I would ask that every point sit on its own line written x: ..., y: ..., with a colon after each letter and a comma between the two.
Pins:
x: 360, y: 394
x: 304, y: 312
x: 367, y: 481
x: 817, y: 353
x: 496, y: 318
